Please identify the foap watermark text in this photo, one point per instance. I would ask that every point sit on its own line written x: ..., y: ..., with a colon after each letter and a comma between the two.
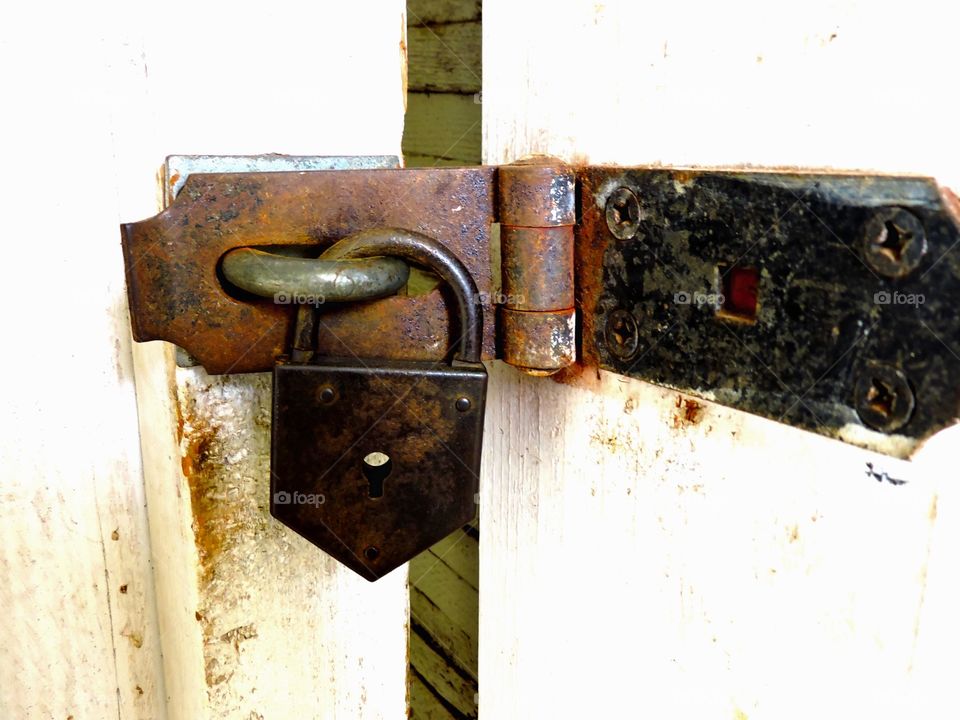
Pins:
x: 499, y: 298
x: 885, y: 297
x: 685, y: 297
x: 298, y: 498
x: 287, y: 298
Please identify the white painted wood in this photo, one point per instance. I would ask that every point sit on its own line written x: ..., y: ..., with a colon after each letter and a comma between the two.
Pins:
x: 644, y: 557
x: 251, y: 621
x: 78, y: 622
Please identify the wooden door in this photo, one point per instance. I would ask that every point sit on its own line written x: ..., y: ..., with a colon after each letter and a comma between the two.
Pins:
x: 644, y: 554
x: 160, y: 587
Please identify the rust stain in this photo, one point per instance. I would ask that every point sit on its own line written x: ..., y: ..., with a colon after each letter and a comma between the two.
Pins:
x: 199, y: 449
x: 579, y: 374
x: 609, y: 441
x: 686, y: 175
x: 403, y: 58
x: 213, y: 674
x: 237, y: 635
x: 134, y: 637
x: 933, y: 509
x: 179, y: 423
x: 951, y: 204
x: 689, y: 412
x: 794, y: 534
x: 591, y: 239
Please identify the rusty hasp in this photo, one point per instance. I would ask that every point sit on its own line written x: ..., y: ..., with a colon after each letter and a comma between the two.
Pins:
x: 826, y: 301
x: 177, y: 291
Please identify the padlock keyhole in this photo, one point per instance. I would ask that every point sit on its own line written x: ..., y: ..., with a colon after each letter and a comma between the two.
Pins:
x: 376, y: 468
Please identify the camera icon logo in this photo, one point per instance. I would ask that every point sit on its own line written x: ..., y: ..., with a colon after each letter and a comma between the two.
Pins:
x: 881, y: 298
x: 282, y: 498
x: 682, y: 298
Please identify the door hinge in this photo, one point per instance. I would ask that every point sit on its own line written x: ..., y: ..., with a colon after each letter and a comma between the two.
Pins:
x: 822, y: 300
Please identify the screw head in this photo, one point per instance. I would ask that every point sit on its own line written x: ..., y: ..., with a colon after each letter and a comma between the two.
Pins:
x: 623, y: 213
x: 894, y: 242
x: 463, y: 404
x: 622, y: 334
x: 327, y: 395
x: 883, y: 397
x: 371, y: 553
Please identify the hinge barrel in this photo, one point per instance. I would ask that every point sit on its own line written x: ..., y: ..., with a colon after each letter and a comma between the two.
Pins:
x: 537, y: 215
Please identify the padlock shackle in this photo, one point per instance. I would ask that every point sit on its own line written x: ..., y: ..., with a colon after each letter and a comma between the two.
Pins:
x: 430, y: 253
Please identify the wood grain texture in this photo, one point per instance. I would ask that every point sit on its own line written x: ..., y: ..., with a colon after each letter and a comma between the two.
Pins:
x: 432, y: 666
x: 648, y: 554
x: 444, y: 606
x: 442, y: 12
x: 444, y: 58
x: 441, y: 129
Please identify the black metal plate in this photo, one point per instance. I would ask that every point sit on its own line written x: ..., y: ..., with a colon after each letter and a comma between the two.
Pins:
x: 825, y: 322
x: 328, y: 417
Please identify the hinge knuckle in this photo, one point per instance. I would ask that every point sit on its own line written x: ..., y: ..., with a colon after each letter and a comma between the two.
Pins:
x: 537, y: 215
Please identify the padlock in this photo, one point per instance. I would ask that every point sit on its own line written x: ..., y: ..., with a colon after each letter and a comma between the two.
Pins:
x: 376, y: 460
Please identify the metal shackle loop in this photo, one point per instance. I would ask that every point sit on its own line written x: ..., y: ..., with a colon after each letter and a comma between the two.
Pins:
x: 268, y: 274
x: 425, y: 251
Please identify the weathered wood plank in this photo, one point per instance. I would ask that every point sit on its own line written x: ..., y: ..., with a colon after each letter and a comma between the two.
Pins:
x: 432, y: 665
x: 443, y: 607
x: 440, y: 12
x: 441, y: 129
x: 79, y: 635
x: 424, y: 704
x: 445, y: 58
x: 459, y: 552
x: 446, y: 608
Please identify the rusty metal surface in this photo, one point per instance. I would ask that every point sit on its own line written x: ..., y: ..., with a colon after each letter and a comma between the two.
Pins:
x: 427, y: 418
x: 538, y: 192
x: 539, y: 343
x: 385, y: 454
x: 431, y: 254
x: 536, y: 266
x: 537, y: 210
x: 172, y: 260
x: 764, y: 291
